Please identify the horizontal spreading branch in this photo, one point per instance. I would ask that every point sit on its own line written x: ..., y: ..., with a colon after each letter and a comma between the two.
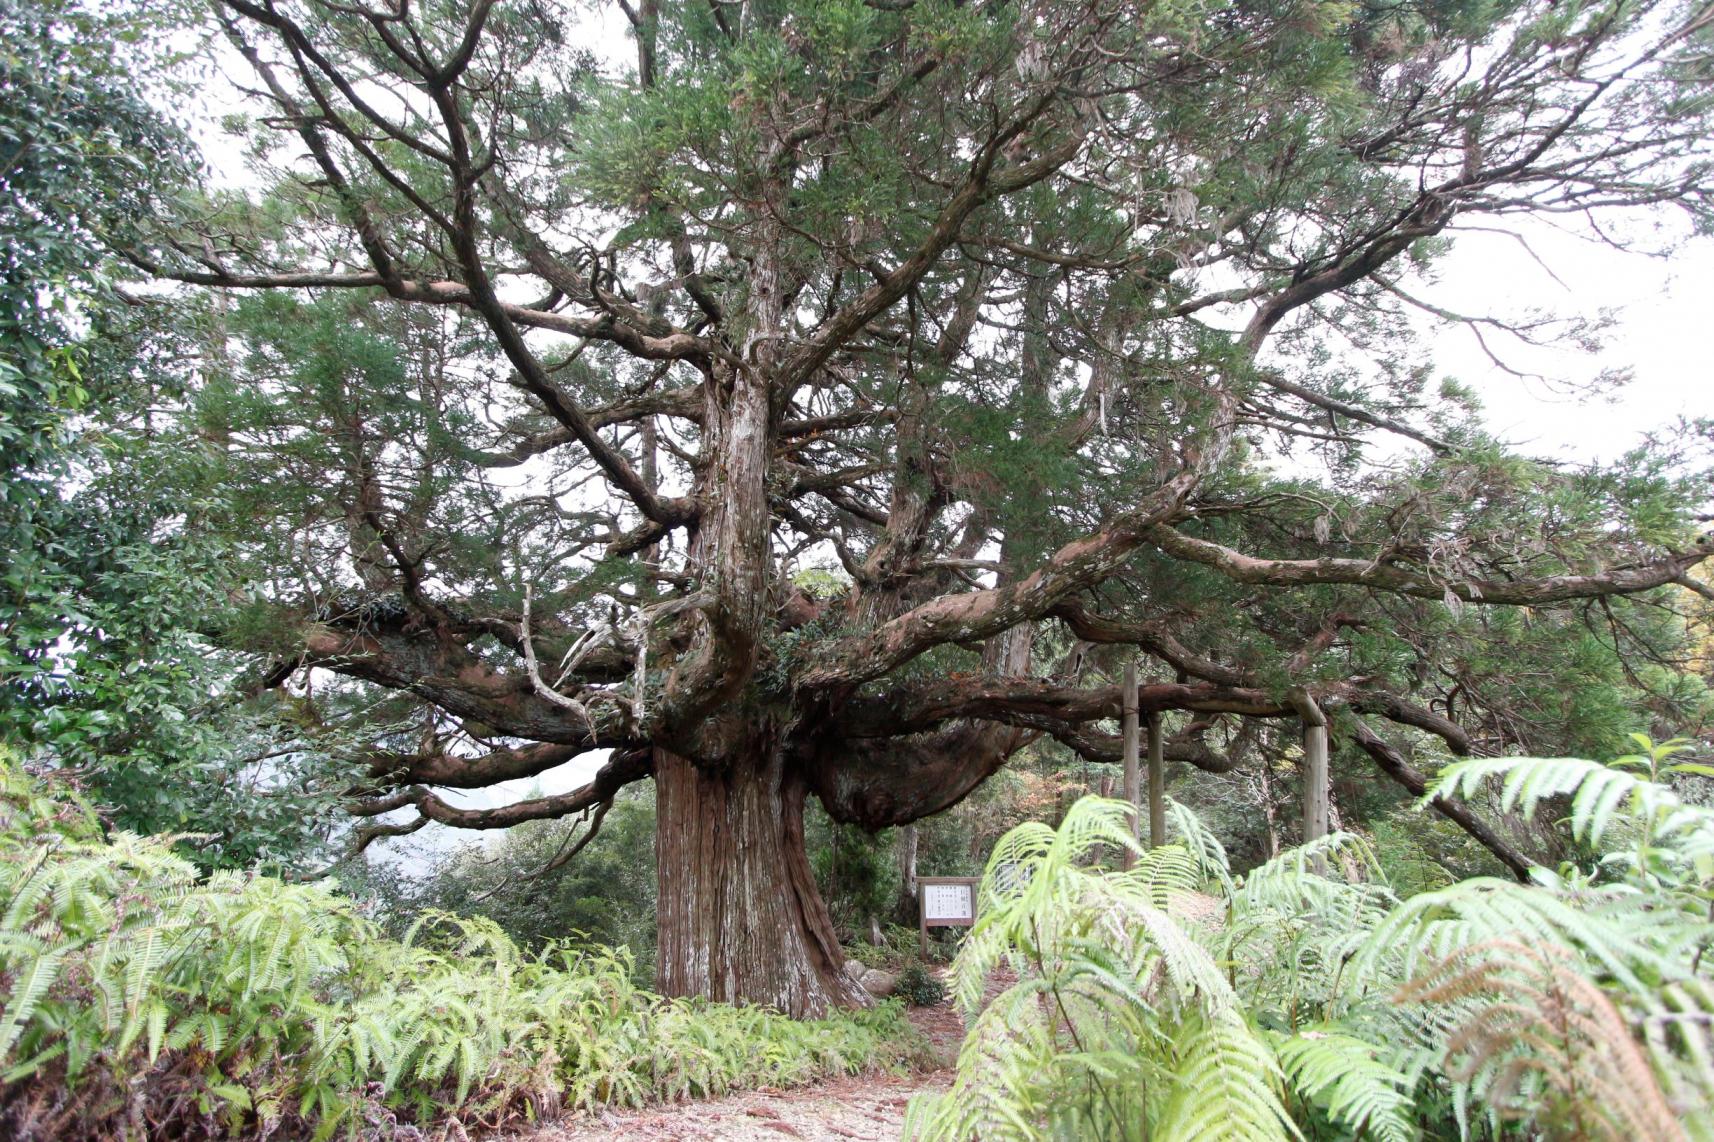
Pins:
x: 1243, y: 568
x: 1151, y: 637
x: 1063, y: 711
x: 453, y: 771
x: 921, y: 706
x: 1092, y: 745
x: 459, y: 682
x: 623, y: 768
x: 683, y: 403
x: 677, y: 346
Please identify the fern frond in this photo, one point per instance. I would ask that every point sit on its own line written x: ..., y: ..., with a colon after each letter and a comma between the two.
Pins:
x: 1539, y: 1028
x: 1205, y: 849
x: 1346, y: 1075
x: 1225, y: 1088
x: 1634, y: 942
x: 1599, y: 796
x: 29, y: 987
x: 1165, y: 872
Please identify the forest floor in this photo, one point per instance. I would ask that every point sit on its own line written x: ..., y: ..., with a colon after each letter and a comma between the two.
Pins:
x: 862, y: 1109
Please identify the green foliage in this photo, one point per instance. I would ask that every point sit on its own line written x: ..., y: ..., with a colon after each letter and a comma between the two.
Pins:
x: 345, y: 445
x: 106, y: 574
x: 1346, y: 1079
x: 820, y: 583
x: 855, y: 871
x: 1150, y: 1020
x: 132, y: 989
x: 84, y: 158
x: 1300, y: 1000
x: 900, y: 946
x: 918, y: 986
x: 1602, y: 797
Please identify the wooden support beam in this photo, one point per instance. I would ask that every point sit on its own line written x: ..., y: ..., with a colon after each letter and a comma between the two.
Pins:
x: 907, y: 850
x: 1315, y: 777
x: 1157, y: 781
x: 1133, y: 777
x: 1315, y: 782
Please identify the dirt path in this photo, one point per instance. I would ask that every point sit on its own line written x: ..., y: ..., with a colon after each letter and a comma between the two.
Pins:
x: 841, y: 1110
x: 838, y: 1110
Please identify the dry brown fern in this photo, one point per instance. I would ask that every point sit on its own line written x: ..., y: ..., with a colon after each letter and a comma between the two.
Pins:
x: 1541, y: 1042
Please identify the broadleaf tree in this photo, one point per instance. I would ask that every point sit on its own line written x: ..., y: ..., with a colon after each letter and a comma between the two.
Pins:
x: 819, y: 399
x: 83, y: 156
x: 104, y: 571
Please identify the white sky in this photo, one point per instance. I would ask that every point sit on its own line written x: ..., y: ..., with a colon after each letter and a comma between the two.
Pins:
x: 1664, y: 334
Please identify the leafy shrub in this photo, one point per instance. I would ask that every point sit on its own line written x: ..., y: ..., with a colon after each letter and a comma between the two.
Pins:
x: 141, y: 998
x: 855, y: 871
x: 898, y: 947
x: 1175, y: 1001
x: 918, y: 986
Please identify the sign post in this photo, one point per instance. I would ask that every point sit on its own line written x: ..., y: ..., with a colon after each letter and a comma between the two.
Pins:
x: 945, y: 902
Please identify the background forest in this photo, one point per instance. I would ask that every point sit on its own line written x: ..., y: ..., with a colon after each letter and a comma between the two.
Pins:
x: 722, y: 459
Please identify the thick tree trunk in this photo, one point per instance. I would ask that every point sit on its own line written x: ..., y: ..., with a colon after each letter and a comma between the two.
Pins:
x: 741, y: 919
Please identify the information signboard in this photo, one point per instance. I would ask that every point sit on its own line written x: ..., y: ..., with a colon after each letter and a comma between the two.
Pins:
x: 945, y: 902
x: 949, y: 903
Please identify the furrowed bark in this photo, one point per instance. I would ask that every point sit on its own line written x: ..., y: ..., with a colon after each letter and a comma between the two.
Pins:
x: 741, y: 919
x: 730, y: 551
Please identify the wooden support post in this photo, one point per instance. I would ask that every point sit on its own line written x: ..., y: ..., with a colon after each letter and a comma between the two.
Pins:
x: 1133, y: 776
x: 1315, y: 781
x: 1314, y: 770
x: 1157, y: 781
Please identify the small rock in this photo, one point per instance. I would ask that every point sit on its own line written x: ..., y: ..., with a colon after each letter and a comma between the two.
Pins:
x: 856, y: 969
x: 878, y: 983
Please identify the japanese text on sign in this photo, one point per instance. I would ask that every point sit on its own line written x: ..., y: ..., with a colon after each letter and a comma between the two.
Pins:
x: 948, y: 902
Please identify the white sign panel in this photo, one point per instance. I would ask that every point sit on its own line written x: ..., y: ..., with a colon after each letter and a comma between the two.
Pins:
x: 948, y: 902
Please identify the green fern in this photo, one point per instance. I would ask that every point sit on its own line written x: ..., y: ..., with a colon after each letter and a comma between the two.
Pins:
x: 1348, y: 1076
x: 1225, y: 1086
x: 1316, y: 989
x: 1601, y: 796
x: 1204, y: 848
x: 264, y: 1007
x: 1122, y: 1024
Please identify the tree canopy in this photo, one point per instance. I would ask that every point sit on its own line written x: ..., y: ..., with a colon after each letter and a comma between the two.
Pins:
x: 823, y: 401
